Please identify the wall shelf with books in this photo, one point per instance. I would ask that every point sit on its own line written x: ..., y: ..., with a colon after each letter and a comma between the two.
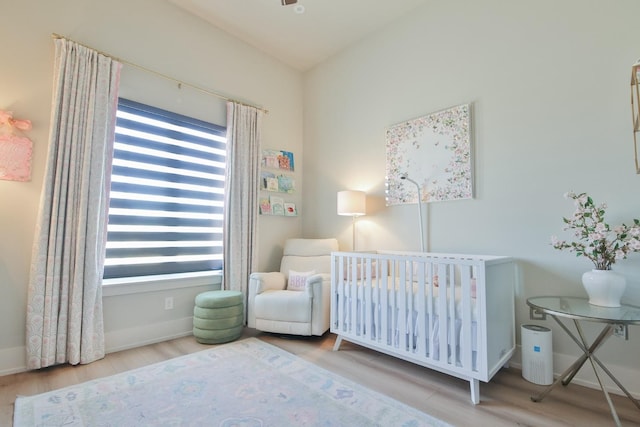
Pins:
x: 277, y: 177
x: 276, y: 206
x: 276, y: 168
x: 276, y: 182
x: 278, y: 159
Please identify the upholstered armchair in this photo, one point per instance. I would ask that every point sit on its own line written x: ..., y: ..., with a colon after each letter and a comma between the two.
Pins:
x: 296, y: 299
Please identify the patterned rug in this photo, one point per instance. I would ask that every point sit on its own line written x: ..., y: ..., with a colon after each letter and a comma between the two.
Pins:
x: 246, y: 383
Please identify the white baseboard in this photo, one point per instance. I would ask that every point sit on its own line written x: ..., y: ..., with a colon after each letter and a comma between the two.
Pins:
x: 12, y: 360
x: 629, y: 378
x: 125, y: 339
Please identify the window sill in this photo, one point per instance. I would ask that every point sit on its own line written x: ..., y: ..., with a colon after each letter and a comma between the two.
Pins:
x: 125, y: 286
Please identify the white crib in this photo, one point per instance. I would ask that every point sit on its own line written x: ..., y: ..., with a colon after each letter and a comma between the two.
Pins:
x: 451, y: 313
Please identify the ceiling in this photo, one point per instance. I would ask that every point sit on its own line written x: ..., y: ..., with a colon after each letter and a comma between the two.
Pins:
x: 301, y: 40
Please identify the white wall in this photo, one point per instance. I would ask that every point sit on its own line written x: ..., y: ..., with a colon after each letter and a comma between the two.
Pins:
x: 160, y: 37
x: 549, y: 84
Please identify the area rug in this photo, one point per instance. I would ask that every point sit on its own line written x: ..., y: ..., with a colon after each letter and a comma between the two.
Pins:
x: 246, y: 383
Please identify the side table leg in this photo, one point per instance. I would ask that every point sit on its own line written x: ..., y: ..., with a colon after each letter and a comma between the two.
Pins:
x: 575, y: 366
x: 615, y: 380
x: 587, y: 350
x: 595, y: 370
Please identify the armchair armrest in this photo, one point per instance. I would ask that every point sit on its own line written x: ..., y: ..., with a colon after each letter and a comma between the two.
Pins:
x: 261, y: 282
x: 315, y: 284
x: 258, y: 283
x: 318, y: 287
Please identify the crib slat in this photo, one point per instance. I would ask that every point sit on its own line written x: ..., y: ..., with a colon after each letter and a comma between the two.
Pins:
x: 393, y: 296
x: 402, y: 306
x: 452, y: 315
x: 409, y: 292
x: 420, y: 343
x: 430, y: 318
x: 375, y: 272
x: 340, y: 298
x: 441, y: 351
x: 368, y: 300
x: 384, y: 305
x: 465, y: 346
x: 336, y: 299
x: 481, y: 301
x: 355, y: 297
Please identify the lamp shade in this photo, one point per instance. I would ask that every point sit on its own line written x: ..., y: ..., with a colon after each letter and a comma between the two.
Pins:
x: 351, y: 203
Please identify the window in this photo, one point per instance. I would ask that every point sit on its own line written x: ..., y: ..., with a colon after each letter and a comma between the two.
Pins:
x: 167, y: 194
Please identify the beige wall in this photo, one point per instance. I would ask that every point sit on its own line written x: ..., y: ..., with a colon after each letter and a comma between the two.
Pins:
x: 155, y: 35
x: 549, y: 84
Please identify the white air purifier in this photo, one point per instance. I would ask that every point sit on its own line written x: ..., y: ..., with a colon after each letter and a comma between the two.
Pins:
x: 537, y: 354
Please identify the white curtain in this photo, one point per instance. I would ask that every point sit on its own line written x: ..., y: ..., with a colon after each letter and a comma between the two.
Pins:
x: 64, y: 306
x: 242, y: 186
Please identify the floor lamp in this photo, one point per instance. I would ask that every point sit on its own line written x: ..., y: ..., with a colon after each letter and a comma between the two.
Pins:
x: 352, y: 203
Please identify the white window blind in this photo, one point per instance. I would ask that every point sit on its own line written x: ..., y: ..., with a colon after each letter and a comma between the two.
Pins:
x: 167, y: 194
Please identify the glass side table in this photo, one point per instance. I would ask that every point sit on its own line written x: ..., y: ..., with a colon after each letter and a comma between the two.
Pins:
x: 616, y: 322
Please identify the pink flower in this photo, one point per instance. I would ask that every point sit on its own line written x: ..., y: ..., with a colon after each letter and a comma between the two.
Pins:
x: 596, y: 236
x: 595, y: 239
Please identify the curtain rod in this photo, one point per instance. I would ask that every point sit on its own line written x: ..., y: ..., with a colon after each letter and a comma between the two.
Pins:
x: 164, y: 76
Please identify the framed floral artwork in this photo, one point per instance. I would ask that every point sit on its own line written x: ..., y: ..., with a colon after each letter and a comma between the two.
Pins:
x: 435, y: 151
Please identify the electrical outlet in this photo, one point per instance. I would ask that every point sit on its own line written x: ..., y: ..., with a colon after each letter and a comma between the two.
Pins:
x: 168, y: 303
x: 621, y: 331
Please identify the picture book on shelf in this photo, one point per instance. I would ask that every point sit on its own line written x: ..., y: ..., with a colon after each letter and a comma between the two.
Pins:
x: 269, y: 181
x: 265, y: 206
x: 290, y: 209
x: 286, y: 184
x: 285, y: 160
x: 277, y: 205
x: 270, y: 159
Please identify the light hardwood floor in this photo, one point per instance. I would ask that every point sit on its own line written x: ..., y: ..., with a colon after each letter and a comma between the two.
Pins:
x: 504, y: 401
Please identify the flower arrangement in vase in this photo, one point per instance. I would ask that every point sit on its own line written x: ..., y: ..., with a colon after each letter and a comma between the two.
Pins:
x: 602, y: 244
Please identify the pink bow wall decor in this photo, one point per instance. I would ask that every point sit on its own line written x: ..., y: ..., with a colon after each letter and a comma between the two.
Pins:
x: 15, y: 150
x: 6, y: 118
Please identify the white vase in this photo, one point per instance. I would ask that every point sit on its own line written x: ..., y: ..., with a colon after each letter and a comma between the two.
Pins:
x: 604, y: 287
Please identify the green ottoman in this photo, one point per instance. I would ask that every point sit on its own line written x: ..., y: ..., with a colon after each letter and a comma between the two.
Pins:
x: 218, y: 317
